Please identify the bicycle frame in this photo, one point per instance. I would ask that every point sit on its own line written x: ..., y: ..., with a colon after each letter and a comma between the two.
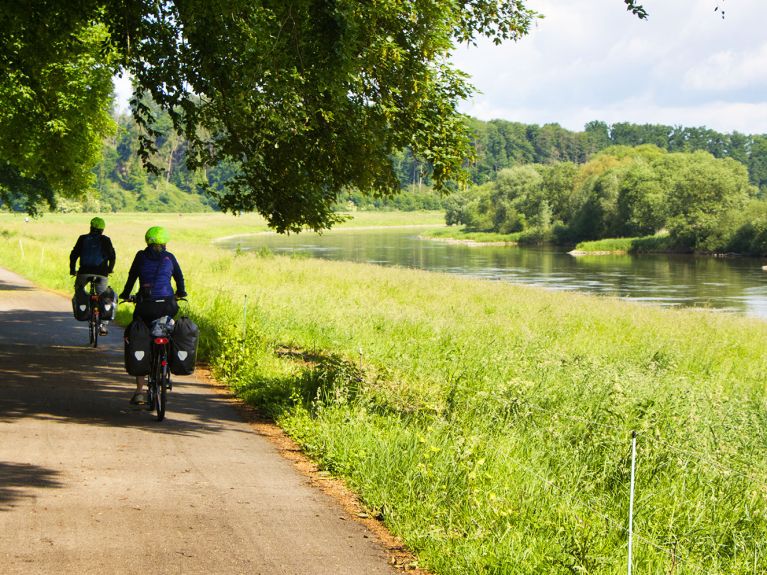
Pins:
x: 158, y: 382
x: 94, y: 312
x: 159, y: 379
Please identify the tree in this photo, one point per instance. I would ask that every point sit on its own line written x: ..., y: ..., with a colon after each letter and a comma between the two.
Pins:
x: 642, y: 200
x: 706, y: 192
x: 55, y: 97
x: 303, y: 97
x: 757, y: 165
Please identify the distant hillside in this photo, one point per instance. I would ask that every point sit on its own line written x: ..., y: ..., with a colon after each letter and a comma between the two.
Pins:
x: 500, y: 144
x: 122, y: 183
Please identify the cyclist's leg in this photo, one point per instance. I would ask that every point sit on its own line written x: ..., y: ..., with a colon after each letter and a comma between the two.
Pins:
x: 139, y: 396
x: 81, y: 281
x: 101, y: 284
x: 140, y: 313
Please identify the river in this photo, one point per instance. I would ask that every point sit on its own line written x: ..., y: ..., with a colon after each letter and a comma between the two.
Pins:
x: 727, y: 284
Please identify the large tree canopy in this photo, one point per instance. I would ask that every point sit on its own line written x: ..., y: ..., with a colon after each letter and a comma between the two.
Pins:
x: 304, y: 97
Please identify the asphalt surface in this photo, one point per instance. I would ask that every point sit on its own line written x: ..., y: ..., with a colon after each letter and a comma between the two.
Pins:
x: 89, y: 484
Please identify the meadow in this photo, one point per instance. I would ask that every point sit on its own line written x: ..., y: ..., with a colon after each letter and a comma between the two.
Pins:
x: 487, y: 424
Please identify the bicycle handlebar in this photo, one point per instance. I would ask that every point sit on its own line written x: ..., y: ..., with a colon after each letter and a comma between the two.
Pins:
x: 132, y: 299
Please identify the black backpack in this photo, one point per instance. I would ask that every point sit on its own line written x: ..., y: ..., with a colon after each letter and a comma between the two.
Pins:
x: 138, y: 348
x: 92, y: 252
x: 183, y: 353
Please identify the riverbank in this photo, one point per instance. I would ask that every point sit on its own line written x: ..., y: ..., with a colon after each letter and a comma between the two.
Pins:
x: 453, y: 235
x: 656, y: 244
x: 487, y: 424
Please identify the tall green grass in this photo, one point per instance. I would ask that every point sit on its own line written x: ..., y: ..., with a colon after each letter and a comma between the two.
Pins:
x: 488, y: 424
x: 659, y: 243
x: 458, y: 234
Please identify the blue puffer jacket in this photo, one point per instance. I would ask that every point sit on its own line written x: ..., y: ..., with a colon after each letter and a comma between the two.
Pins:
x: 154, y: 269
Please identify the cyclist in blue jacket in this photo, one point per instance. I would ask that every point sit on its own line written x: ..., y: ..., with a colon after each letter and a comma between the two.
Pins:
x: 97, y: 258
x: 154, y: 267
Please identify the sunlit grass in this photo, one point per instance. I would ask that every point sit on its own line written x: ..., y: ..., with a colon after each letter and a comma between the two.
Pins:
x: 488, y: 424
x: 459, y: 234
x: 661, y: 243
x: 613, y: 245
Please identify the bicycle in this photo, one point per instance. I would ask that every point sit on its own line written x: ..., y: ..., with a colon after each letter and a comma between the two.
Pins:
x: 159, y: 381
x: 94, y: 311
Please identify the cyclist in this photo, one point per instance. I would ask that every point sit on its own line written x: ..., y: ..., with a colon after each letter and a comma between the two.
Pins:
x: 153, y: 267
x: 97, y: 258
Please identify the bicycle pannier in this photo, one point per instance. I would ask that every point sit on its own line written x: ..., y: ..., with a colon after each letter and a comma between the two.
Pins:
x: 183, y: 351
x: 80, y: 305
x: 107, y: 304
x: 138, y: 348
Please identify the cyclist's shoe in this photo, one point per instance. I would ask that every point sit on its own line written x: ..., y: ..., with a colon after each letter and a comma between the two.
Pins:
x: 138, y: 398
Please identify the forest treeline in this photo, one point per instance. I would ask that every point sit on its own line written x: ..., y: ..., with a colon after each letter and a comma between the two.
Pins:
x: 122, y: 184
x: 500, y: 144
x: 685, y: 201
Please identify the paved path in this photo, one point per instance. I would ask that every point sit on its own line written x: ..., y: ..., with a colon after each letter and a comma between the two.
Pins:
x: 90, y: 485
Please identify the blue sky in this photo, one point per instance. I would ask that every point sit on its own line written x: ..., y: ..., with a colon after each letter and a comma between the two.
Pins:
x: 591, y: 60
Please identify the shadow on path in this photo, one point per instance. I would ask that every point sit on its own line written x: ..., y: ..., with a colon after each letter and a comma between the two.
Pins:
x: 17, y: 479
x: 5, y: 286
x: 49, y: 372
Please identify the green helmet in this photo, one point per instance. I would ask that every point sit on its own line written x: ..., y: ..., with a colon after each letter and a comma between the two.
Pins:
x: 98, y: 223
x: 156, y: 235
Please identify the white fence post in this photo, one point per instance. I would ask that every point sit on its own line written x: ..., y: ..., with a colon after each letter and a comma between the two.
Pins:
x: 631, y: 498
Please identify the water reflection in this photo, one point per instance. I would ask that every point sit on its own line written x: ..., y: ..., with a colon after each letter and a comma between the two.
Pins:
x: 728, y: 284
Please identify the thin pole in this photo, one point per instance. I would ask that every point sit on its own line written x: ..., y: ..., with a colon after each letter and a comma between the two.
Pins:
x: 245, y: 318
x: 21, y: 247
x: 631, y: 497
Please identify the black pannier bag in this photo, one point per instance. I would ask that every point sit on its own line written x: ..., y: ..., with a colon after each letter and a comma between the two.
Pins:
x: 107, y: 304
x: 138, y: 347
x: 183, y: 351
x: 80, y: 305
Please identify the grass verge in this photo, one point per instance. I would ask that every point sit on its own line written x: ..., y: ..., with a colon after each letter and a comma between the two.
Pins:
x: 486, y: 424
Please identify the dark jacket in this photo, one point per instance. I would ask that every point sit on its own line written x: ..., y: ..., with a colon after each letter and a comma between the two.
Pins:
x: 154, y: 270
x: 108, y: 257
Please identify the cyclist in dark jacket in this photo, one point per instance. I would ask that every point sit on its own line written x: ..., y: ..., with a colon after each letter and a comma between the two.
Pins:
x: 97, y: 258
x: 154, y: 267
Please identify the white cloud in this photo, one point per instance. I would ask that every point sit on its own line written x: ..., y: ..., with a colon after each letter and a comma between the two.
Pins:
x: 729, y: 70
x: 589, y: 59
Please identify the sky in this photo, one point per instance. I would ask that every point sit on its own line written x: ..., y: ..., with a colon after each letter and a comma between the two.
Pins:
x: 592, y: 60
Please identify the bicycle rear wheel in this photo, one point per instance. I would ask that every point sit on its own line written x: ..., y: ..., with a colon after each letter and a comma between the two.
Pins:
x: 93, y: 332
x: 159, y: 397
x: 95, y: 328
x: 158, y: 383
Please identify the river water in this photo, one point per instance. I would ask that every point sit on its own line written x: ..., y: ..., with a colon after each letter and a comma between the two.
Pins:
x: 728, y: 284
